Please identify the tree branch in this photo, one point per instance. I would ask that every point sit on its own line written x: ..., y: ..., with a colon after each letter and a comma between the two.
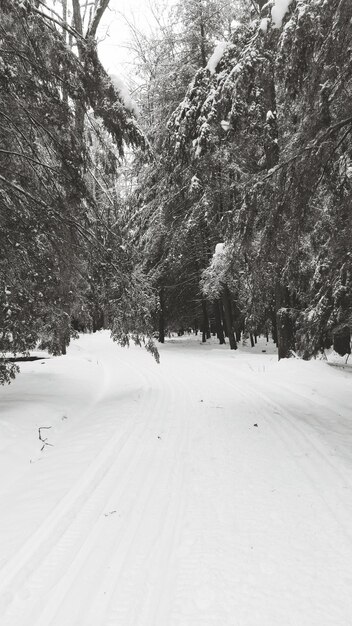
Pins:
x: 103, y: 5
x: 28, y: 158
x: 61, y: 23
x: 330, y: 131
x: 22, y: 191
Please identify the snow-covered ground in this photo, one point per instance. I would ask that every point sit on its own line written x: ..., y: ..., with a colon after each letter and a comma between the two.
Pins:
x: 213, y: 489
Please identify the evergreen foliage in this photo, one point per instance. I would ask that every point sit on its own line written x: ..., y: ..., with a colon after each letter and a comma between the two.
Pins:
x: 54, y: 229
x: 259, y: 155
x: 246, y: 142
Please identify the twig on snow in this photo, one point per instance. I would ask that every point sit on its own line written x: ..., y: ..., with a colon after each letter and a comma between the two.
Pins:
x: 45, y: 441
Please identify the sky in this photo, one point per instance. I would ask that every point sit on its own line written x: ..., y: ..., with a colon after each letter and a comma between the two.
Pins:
x: 115, y: 37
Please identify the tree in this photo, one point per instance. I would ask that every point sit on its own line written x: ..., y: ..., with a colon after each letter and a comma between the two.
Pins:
x: 287, y: 123
x: 183, y: 217
x: 46, y: 202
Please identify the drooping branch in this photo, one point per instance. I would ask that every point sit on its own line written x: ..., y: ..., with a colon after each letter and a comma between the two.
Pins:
x: 20, y: 189
x: 28, y: 158
x: 330, y: 131
x: 99, y: 91
x: 72, y: 31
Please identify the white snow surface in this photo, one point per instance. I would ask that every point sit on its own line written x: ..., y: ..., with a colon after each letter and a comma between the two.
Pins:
x: 279, y: 11
x: 124, y: 94
x: 213, y: 489
x: 216, y: 56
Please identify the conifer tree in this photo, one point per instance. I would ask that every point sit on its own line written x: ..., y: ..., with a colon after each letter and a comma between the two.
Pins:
x: 47, y: 207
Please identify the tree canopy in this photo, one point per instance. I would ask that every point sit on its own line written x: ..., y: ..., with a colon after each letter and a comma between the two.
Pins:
x: 257, y: 155
x: 59, y: 112
x: 232, y: 211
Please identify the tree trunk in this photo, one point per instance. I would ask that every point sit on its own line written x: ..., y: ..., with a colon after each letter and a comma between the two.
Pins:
x: 202, y: 43
x: 252, y: 340
x: 205, y: 322
x: 342, y: 341
x: 342, y: 336
x: 161, y: 337
x: 284, y: 333
x: 274, y: 327
x: 226, y: 298
x: 97, y: 319
x: 218, y: 324
x: 284, y: 323
x: 222, y: 314
x: 237, y: 321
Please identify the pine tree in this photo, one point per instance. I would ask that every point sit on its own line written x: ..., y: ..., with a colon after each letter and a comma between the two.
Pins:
x: 287, y: 124
x: 46, y: 201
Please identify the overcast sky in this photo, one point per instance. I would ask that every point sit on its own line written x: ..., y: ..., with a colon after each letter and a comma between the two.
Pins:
x: 115, y: 36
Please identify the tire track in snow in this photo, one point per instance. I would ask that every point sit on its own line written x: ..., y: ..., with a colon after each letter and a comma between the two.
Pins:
x: 156, y: 609
x: 201, y: 595
x: 99, y: 571
x: 195, y: 582
x: 322, y: 473
x: 42, y: 551
x: 153, y: 605
x: 108, y: 557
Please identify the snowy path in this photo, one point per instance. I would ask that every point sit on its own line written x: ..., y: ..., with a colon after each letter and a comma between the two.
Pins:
x: 214, y: 489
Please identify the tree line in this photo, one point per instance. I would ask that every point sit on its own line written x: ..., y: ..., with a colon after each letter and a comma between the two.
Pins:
x: 226, y: 207
x: 257, y: 157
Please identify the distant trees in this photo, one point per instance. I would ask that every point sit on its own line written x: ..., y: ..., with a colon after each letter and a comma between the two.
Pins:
x: 174, y: 213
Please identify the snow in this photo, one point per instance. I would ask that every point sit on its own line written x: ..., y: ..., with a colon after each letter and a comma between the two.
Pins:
x: 270, y: 116
x: 263, y: 26
x: 213, y: 489
x: 219, y: 249
x: 217, y: 56
x: 124, y: 94
x: 225, y: 124
x: 195, y: 185
x: 198, y: 150
x: 279, y: 11
x: 236, y: 25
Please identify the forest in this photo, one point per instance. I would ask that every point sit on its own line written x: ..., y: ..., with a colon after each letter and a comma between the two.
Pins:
x: 215, y: 198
